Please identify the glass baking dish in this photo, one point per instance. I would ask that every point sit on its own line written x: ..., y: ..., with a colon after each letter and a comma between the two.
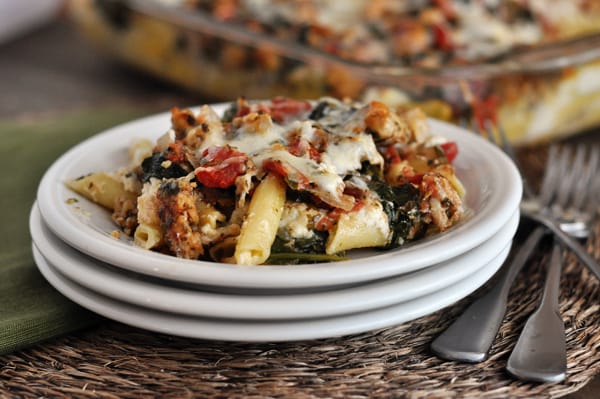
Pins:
x: 536, y: 93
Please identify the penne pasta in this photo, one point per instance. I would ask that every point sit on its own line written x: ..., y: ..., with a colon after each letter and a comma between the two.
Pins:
x: 364, y: 228
x: 101, y: 188
x: 147, y: 236
x: 262, y: 222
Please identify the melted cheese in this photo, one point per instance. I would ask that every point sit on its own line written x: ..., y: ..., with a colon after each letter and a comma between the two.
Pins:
x: 253, y: 143
x: 306, y: 129
x: 346, y: 155
x: 295, y: 221
x: 345, y: 150
x: 322, y: 174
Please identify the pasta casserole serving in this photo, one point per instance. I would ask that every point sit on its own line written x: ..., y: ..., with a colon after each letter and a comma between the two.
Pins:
x: 283, y: 181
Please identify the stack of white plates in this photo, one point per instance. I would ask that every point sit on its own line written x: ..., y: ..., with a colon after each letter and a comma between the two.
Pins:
x: 75, y: 250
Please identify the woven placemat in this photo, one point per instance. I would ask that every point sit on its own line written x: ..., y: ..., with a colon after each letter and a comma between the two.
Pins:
x: 117, y: 361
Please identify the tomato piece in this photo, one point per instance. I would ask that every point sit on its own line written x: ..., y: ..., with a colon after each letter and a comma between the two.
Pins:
x: 450, y: 150
x: 276, y: 167
x: 215, y: 154
x: 443, y: 38
x: 225, y: 10
x: 295, y: 179
x: 297, y: 147
x: 391, y: 154
x: 282, y: 107
x: 416, y: 178
x: 447, y: 8
x: 300, y: 147
x: 175, y: 152
x: 485, y: 110
x: 327, y: 221
x: 242, y: 110
x: 222, y: 176
x: 220, y: 166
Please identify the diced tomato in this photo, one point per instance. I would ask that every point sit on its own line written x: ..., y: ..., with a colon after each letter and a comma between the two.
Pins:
x: 242, y: 110
x: 300, y: 147
x: 447, y: 8
x: 450, y: 150
x: 417, y: 178
x: 175, y: 153
x: 331, y: 47
x: 282, y: 107
x: 313, y: 153
x: 276, y: 167
x: 485, y: 110
x: 221, y: 176
x: 443, y: 38
x: 224, y: 10
x: 297, y: 147
x: 215, y: 154
x: 279, y: 108
x: 391, y: 154
x: 293, y: 177
x: 327, y: 221
x: 357, y: 205
x: 220, y: 166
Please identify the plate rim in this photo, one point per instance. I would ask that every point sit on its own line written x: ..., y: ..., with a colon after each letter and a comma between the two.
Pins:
x: 261, y: 331
x: 94, y: 275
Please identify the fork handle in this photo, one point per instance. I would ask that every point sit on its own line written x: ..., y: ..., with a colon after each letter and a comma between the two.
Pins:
x: 470, y: 337
x: 540, y: 353
x: 553, y: 226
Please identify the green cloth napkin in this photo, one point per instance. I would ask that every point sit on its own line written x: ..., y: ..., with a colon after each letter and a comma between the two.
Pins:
x: 30, y: 309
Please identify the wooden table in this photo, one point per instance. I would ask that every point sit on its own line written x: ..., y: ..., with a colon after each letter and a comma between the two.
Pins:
x: 53, y: 70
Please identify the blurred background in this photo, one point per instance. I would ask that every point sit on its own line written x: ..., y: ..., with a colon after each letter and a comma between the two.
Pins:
x: 531, y: 66
x: 47, y: 67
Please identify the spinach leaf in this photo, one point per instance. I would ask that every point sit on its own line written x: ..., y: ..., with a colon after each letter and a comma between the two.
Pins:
x: 310, y: 245
x: 154, y: 166
x: 293, y: 258
x: 401, y: 205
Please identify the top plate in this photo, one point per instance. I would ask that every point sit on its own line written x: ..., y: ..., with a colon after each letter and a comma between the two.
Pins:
x: 492, y: 182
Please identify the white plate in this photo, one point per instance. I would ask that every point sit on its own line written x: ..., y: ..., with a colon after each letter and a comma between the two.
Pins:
x: 134, y: 289
x: 264, y: 331
x: 493, y: 192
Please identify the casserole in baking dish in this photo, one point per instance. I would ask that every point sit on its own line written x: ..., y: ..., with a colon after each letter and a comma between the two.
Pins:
x: 532, y: 65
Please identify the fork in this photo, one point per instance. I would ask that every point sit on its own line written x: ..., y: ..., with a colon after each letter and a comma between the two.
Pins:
x: 540, y: 352
x: 470, y: 337
x: 566, y: 224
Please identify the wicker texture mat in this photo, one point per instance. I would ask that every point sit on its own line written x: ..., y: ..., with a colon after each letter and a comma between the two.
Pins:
x: 117, y: 361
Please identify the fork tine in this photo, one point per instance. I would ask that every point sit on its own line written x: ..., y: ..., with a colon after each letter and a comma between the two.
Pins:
x: 568, y: 183
x: 551, y: 176
x: 474, y: 127
x: 592, y: 206
x: 488, y: 128
x: 570, y: 176
x: 496, y: 134
x: 584, y: 184
x: 505, y: 144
